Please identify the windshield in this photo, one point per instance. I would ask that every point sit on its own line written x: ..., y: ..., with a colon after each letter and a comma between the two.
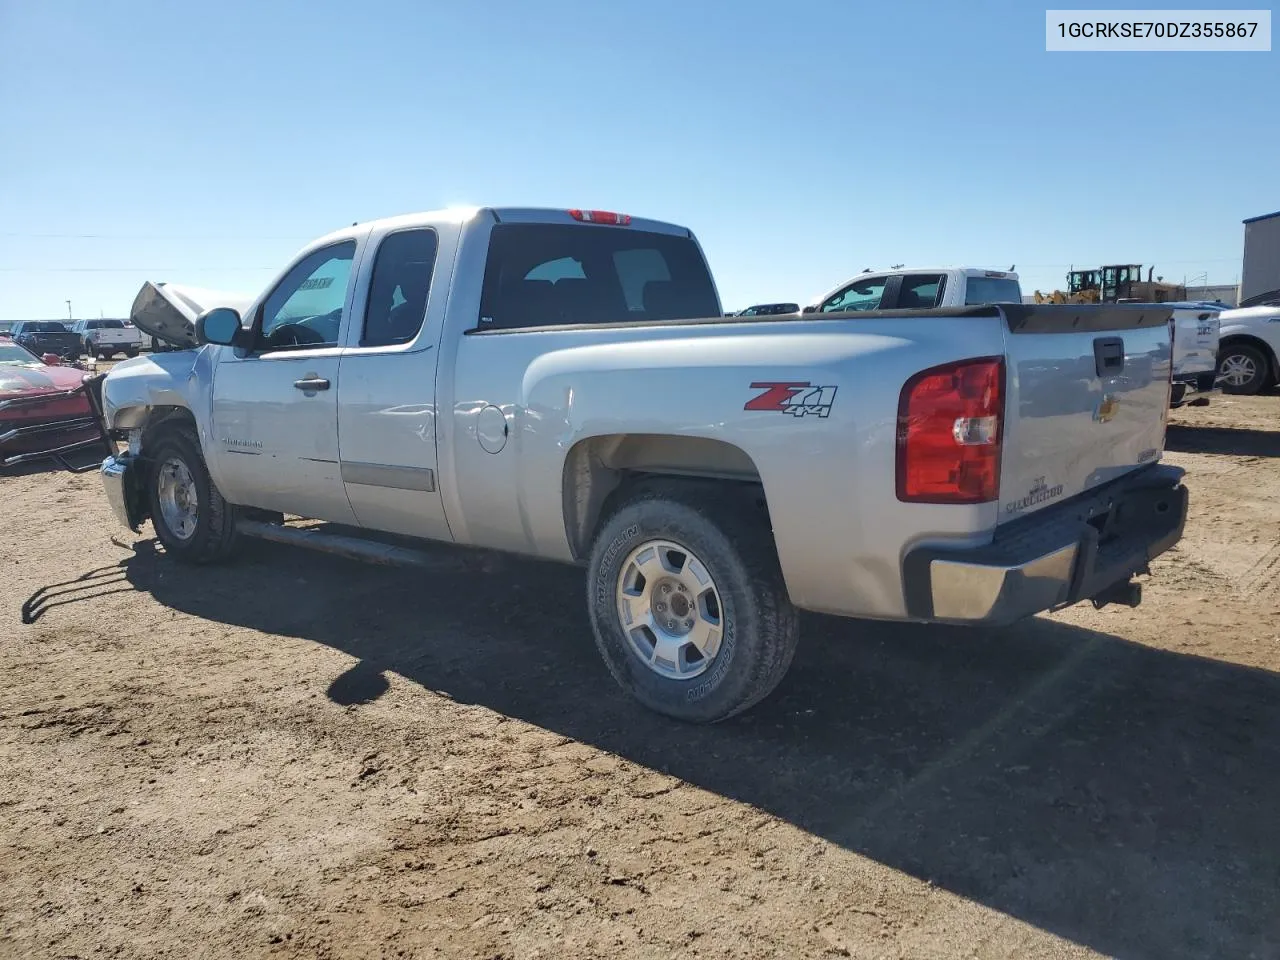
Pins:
x: 992, y: 290
x: 11, y: 353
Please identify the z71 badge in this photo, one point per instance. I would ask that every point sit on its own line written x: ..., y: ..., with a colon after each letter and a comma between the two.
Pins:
x: 795, y: 398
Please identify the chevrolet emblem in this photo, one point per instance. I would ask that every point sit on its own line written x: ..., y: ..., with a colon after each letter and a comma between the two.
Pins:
x: 1107, y: 408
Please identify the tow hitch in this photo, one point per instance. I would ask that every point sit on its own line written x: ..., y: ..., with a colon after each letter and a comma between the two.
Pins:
x: 1126, y: 592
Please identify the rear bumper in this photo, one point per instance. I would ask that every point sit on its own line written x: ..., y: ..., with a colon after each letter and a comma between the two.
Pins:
x: 121, y: 483
x: 1188, y: 385
x: 1053, y: 558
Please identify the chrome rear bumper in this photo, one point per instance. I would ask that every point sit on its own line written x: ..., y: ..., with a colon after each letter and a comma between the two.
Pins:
x: 1079, y: 550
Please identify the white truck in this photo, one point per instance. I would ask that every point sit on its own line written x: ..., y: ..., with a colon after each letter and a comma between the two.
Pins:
x: 105, y: 338
x: 563, y: 384
x: 1249, y: 350
x: 1195, y: 352
x: 918, y: 288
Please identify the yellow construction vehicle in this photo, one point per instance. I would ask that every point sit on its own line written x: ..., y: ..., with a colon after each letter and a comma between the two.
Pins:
x: 1118, y: 283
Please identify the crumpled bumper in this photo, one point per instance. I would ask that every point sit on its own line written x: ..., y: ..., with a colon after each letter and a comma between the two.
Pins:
x: 1079, y: 550
x: 121, y: 481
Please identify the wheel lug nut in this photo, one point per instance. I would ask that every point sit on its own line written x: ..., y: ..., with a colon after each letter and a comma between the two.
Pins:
x: 671, y: 624
x: 689, y: 624
x: 666, y: 588
x: 660, y: 605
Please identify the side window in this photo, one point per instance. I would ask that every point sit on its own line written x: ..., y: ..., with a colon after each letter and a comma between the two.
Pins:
x: 399, y: 289
x: 861, y: 295
x: 920, y: 291
x: 305, y: 310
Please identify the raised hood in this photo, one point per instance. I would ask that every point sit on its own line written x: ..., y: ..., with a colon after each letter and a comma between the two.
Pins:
x: 169, y: 311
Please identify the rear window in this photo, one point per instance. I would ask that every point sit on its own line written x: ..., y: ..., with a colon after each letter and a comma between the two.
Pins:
x: 992, y: 290
x: 44, y: 326
x: 553, y: 275
x: 107, y: 324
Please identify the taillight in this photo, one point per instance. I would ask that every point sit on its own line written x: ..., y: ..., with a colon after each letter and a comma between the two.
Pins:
x: 601, y: 216
x: 950, y: 422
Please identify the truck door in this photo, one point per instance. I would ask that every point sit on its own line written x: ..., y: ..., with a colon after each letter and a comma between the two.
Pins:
x: 275, y: 412
x: 386, y: 401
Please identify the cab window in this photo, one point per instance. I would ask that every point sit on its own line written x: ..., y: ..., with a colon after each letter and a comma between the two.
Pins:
x: 541, y: 275
x: 859, y: 295
x: 920, y: 291
x: 305, y: 309
x: 399, y: 289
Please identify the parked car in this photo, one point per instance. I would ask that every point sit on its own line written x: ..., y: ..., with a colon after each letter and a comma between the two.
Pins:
x: 919, y: 288
x: 47, y: 336
x: 25, y: 423
x: 562, y: 384
x: 769, y: 310
x: 105, y: 338
x: 1248, y: 349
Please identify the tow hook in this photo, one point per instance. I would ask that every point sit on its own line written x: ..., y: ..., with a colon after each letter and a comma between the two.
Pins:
x: 1126, y: 592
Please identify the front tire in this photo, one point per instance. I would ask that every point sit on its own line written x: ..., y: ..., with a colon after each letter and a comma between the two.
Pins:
x: 192, y: 520
x: 1243, y: 369
x: 692, y: 621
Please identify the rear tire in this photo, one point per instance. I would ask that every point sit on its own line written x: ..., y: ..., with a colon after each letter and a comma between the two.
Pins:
x: 192, y: 520
x: 729, y: 588
x: 1243, y: 369
x: 133, y: 352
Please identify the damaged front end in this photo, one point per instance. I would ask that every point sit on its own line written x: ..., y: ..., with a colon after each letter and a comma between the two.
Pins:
x: 122, y: 481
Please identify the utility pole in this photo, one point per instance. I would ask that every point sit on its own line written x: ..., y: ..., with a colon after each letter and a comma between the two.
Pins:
x: 69, y: 316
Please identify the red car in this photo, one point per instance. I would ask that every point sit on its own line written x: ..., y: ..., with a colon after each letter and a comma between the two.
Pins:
x: 24, y: 375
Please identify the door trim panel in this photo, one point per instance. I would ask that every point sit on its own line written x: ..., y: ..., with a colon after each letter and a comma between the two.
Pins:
x: 385, y: 475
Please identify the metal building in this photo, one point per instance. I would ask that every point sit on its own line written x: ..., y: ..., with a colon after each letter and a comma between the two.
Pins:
x: 1261, y: 275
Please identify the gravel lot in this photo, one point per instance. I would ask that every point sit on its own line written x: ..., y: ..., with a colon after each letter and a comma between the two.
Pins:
x: 300, y: 756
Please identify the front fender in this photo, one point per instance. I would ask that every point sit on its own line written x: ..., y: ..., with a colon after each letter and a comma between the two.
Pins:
x: 136, y: 390
x: 136, y: 387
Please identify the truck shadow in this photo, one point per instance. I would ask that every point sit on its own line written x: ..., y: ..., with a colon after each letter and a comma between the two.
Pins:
x: 1117, y: 795
x: 1234, y: 441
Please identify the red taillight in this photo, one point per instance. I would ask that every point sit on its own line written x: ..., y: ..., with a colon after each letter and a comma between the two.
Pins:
x: 950, y: 422
x: 601, y: 216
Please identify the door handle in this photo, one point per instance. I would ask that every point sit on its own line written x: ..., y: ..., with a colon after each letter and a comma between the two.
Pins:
x: 312, y: 383
x: 1108, y: 355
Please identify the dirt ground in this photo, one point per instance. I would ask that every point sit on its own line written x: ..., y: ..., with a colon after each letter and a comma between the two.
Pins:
x: 299, y: 756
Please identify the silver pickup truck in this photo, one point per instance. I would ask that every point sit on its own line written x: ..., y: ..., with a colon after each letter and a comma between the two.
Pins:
x: 563, y: 384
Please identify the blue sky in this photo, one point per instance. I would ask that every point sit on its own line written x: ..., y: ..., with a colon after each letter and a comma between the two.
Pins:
x: 803, y: 141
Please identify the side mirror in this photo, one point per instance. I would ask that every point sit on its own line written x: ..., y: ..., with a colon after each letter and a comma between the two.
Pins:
x: 220, y: 325
x: 51, y: 360
x: 810, y: 309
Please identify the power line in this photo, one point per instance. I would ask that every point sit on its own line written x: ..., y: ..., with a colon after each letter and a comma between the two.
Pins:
x: 126, y: 269
x: 146, y: 236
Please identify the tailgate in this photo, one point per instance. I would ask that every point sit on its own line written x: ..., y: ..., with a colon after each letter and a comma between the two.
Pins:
x: 1087, y: 397
x: 1195, y: 341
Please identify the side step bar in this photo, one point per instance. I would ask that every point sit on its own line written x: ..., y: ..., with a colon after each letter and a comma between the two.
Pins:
x: 450, y: 557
